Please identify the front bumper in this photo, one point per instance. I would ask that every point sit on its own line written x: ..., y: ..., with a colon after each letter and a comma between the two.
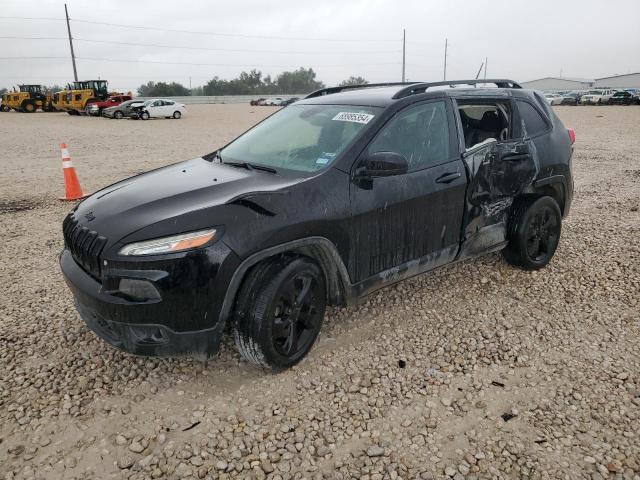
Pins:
x: 183, y: 320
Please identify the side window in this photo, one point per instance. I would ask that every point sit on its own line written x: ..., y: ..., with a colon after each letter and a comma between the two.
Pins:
x: 420, y: 133
x: 533, y: 121
x: 168, y: 102
x: 78, y: 96
x: 484, y: 121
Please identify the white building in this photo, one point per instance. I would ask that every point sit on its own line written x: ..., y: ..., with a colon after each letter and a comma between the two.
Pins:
x: 558, y: 83
x: 630, y: 80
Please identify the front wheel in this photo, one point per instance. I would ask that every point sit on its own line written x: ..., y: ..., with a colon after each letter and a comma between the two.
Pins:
x: 534, y: 233
x: 177, y: 114
x: 144, y: 115
x: 279, y: 312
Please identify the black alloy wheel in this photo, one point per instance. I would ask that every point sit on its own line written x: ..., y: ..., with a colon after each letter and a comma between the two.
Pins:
x: 279, y: 311
x: 543, y: 233
x: 296, y: 315
x: 534, y: 232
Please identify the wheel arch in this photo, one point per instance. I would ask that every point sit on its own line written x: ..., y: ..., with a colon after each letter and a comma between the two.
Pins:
x: 554, y: 187
x: 319, y: 249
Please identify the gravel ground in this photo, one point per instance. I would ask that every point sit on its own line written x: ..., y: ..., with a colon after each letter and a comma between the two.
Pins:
x: 478, y: 370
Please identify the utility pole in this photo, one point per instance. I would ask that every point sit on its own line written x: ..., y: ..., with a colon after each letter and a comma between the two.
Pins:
x: 446, y: 45
x: 404, y: 50
x: 189, y: 83
x: 486, y: 61
x: 73, y: 55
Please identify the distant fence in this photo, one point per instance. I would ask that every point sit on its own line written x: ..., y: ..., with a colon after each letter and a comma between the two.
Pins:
x: 195, y: 100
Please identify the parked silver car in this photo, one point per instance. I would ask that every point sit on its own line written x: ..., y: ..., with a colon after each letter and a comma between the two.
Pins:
x: 122, y: 110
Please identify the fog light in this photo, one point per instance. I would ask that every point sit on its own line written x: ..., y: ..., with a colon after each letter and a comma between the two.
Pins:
x: 140, y: 290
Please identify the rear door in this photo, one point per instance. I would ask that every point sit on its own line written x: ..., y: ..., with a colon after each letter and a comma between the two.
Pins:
x: 499, y: 167
x: 412, y: 219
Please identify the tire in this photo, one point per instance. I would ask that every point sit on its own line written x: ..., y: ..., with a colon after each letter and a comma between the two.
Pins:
x: 279, y: 312
x: 28, y: 107
x: 144, y: 116
x: 118, y: 114
x: 534, y: 233
x: 177, y: 115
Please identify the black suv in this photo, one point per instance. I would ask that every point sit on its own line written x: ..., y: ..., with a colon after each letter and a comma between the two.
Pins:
x: 345, y: 191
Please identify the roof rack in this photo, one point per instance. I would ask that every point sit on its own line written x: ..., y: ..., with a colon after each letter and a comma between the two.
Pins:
x: 415, y: 88
x: 330, y: 90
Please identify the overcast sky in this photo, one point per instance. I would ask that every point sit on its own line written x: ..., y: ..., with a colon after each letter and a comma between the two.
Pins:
x: 523, y: 40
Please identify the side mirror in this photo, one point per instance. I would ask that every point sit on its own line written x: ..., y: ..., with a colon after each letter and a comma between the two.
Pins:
x: 383, y: 164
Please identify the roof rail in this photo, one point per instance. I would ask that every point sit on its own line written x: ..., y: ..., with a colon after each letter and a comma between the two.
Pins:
x: 330, y: 90
x: 415, y: 88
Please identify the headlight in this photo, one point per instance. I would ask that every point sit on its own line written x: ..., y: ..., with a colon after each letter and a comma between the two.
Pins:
x: 175, y: 243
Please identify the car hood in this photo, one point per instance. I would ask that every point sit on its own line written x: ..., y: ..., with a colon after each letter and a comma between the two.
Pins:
x: 170, y: 192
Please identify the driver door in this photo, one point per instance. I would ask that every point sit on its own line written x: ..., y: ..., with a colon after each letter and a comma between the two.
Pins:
x: 413, y: 219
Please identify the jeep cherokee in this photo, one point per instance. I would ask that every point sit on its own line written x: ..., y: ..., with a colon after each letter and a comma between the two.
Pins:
x: 342, y: 193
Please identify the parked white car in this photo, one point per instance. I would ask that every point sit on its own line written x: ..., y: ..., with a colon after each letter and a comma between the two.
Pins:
x: 553, y: 98
x: 159, y: 108
x: 597, y: 97
x: 274, y: 101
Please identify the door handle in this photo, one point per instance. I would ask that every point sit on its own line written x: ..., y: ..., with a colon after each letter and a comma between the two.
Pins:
x: 448, y: 177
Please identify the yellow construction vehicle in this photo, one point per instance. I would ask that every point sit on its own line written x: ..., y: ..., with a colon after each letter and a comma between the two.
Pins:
x: 81, y: 95
x: 28, y: 98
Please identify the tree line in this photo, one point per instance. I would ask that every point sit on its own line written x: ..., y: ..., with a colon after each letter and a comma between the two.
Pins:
x: 247, y: 83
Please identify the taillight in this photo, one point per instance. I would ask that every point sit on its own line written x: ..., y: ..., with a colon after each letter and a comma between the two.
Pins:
x: 572, y: 135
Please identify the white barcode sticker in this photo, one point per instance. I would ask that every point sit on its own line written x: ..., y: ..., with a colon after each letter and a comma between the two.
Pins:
x: 353, y: 117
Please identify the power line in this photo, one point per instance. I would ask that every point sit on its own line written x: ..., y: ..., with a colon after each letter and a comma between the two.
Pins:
x: 217, y: 34
x: 194, y: 63
x: 249, y: 50
x: 229, y: 49
x: 11, y: 37
x: 237, y: 35
x: 226, y: 64
x: 31, y: 18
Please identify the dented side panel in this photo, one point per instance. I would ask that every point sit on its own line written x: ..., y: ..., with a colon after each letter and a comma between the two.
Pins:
x: 497, y: 173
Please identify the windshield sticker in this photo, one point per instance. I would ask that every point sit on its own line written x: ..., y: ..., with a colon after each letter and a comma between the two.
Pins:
x: 325, y: 158
x: 353, y: 117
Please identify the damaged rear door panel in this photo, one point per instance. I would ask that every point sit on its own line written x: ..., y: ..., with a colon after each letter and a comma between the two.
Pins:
x: 498, y: 170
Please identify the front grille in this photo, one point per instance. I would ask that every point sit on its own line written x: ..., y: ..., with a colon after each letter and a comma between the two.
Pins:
x: 85, y: 245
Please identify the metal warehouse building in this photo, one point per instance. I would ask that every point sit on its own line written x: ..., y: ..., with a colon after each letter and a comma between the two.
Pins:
x: 558, y: 83
x: 631, y: 80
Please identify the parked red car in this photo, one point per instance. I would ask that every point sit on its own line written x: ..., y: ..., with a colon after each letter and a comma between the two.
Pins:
x: 96, y: 108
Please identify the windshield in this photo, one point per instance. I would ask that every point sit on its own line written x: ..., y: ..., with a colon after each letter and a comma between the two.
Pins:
x: 305, y: 138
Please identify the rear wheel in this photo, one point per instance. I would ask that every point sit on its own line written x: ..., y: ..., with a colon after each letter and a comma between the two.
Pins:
x: 177, y: 114
x: 534, y: 233
x: 279, y: 312
x: 118, y: 114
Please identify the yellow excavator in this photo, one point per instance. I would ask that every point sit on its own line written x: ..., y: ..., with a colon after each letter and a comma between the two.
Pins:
x: 28, y: 99
x: 79, y: 96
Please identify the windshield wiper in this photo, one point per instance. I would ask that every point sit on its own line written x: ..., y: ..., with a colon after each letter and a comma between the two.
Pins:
x: 251, y: 166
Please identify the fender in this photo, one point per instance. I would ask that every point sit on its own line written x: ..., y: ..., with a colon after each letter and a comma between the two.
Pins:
x: 319, y: 248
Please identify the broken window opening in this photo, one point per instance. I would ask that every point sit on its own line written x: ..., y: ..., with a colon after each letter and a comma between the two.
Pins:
x: 484, y: 122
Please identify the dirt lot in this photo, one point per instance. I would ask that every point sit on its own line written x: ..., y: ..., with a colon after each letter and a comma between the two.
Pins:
x: 475, y: 371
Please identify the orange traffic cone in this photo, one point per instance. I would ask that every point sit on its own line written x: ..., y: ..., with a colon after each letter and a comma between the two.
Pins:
x: 72, y: 188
